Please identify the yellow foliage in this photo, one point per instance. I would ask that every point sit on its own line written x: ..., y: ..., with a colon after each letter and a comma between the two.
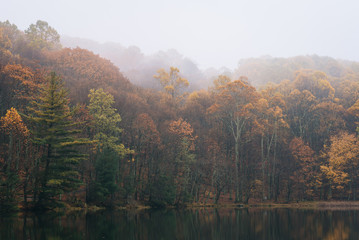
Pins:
x: 171, y: 82
x: 342, y: 155
x: 12, y: 123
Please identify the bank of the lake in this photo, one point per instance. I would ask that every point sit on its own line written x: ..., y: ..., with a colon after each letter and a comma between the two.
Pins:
x: 313, y: 205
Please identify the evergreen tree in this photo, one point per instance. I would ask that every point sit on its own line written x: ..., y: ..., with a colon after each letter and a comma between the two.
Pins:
x: 106, y: 167
x: 163, y: 191
x: 55, y: 132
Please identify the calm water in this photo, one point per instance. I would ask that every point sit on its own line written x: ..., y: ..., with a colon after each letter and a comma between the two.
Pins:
x: 187, y: 224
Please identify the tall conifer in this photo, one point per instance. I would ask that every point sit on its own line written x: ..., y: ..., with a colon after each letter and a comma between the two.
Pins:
x: 55, y: 132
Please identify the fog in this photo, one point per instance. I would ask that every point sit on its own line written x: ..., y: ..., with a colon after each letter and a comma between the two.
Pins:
x: 139, y: 67
x: 210, y: 33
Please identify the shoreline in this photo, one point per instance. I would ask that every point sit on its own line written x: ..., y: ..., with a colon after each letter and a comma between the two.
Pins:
x: 310, y: 205
x: 313, y: 205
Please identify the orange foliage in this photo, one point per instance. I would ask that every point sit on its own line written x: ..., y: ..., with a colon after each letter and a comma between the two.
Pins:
x: 316, y: 82
x: 146, y: 129
x: 343, y: 163
x: 305, y: 173
x: 82, y: 70
x: 19, y: 85
x: 12, y: 123
x: 183, y: 130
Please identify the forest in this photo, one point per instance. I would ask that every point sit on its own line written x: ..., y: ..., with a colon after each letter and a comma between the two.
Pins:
x: 75, y: 131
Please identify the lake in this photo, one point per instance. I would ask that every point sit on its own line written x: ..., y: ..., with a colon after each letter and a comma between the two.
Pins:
x: 222, y: 223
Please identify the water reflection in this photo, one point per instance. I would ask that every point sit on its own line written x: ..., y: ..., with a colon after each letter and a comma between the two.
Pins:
x: 186, y: 224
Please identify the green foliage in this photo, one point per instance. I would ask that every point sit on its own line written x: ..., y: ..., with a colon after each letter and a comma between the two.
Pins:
x: 163, y: 191
x: 106, y: 171
x: 42, y: 36
x: 53, y: 131
x: 8, y: 191
x: 129, y: 185
x: 105, y: 121
x: 109, y: 151
x: 9, y: 37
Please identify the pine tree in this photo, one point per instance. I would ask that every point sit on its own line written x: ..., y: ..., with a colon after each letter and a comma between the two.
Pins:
x: 55, y: 133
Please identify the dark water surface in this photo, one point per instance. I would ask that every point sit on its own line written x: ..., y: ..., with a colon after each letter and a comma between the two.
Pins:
x: 186, y: 224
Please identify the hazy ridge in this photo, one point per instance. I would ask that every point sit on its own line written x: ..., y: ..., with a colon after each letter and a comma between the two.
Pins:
x: 140, y: 68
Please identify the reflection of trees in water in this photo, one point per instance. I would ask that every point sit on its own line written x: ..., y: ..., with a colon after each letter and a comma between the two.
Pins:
x: 340, y: 231
x: 186, y: 224
x: 47, y: 226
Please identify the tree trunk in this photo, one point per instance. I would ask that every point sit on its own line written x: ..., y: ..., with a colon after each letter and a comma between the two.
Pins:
x: 236, y: 175
x: 263, y: 169
x: 218, y: 194
x: 274, y: 161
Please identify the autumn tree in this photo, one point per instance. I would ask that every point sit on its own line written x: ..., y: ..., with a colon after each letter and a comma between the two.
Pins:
x: 273, y: 138
x: 328, y: 119
x: 14, y: 163
x: 11, y: 41
x: 195, y: 112
x: 172, y: 82
x: 220, y: 81
x: 146, y: 144
x: 352, y: 116
x: 270, y: 121
x: 82, y: 71
x: 299, y: 115
x: 233, y: 106
x: 342, y: 165
x: 306, y: 173
x: 182, y: 153
x: 311, y: 93
x: 314, y: 81
x: 219, y: 169
x: 19, y: 84
x: 346, y: 89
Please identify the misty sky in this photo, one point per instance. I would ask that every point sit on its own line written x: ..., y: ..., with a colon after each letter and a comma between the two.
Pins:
x: 211, y: 33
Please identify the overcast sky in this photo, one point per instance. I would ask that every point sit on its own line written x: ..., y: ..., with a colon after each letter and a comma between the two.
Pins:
x: 210, y: 32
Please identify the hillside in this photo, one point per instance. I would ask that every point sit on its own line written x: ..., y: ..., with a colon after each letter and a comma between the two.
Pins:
x: 137, y: 66
x: 261, y: 71
x: 74, y: 128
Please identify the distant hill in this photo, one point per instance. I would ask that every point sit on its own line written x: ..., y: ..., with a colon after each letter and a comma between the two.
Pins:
x: 261, y: 71
x: 140, y: 68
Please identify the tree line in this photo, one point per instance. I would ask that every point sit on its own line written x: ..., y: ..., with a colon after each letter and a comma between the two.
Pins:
x: 75, y: 131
